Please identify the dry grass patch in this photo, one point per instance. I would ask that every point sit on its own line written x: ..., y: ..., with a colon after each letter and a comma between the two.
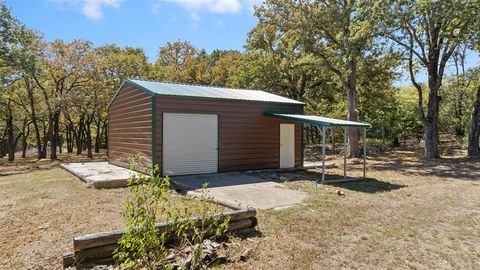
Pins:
x: 32, y: 164
x: 41, y: 211
x: 410, y: 214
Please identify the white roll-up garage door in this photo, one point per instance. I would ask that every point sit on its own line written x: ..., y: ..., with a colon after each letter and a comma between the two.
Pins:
x: 190, y: 143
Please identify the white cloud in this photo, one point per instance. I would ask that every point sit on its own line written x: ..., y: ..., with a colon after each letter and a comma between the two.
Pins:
x: 92, y: 9
x: 213, y: 6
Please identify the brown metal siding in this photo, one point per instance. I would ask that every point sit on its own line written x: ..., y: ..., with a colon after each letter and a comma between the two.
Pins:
x: 130, y: 126
x: 248, y: 139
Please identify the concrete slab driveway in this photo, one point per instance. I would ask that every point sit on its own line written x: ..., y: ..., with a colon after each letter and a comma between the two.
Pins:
x: 241, y: 190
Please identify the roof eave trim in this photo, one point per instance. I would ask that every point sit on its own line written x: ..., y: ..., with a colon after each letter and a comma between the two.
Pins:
x: 143, y: 89
x: 115, y: 95
x: 316, y: 122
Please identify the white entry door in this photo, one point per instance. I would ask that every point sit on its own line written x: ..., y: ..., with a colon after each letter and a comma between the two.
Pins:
x: 190, y: 143
x: 287, y: 145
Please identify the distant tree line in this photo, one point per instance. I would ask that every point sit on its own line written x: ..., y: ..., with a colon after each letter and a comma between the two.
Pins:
x: 340, y: 57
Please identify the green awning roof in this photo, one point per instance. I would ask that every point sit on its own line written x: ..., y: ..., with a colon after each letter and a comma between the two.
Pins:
x: 317, y: 120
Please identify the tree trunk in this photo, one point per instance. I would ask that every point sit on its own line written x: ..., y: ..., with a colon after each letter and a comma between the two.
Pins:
x: 46, y: 132
x: 68, y: 138
x: 88, y: 138
x: 26, y: 133
x: 430, y: 137
x: 332, y: 137
x: 40, y: 153
x: 473, y: 134
x: 2, y: 148
x: 430, y: 125
x: 10, y: 136
x: 105, y: 133
x: 98, y: 136
x: 353, y: 146
x: 78, y: 136
x: 54, y: 135
x: 24, y: 146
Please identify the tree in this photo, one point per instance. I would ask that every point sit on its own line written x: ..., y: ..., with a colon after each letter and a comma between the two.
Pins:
x: 174, y: 60
x: 473, y: 134
x: 429, y: 32
x: 460, y: 84
x: 282, y: 55
x: 474, y: 128
x: 222, y: 63
x: 336, y: 35
x: 114, y: 66
x: 17, y: 45
x: 64, y: 67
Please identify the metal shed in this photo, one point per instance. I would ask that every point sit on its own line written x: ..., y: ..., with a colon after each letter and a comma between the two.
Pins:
x: 194, y: 129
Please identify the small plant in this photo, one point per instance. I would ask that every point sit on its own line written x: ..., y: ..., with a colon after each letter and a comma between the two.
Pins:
x: 142, y: 245
x: 192, y: 222
x: 196, y: 230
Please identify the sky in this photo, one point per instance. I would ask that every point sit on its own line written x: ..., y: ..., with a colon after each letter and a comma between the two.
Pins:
x: 150, y: 24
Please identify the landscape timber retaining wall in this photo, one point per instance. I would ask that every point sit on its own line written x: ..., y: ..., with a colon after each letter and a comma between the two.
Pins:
x: 100, y: 246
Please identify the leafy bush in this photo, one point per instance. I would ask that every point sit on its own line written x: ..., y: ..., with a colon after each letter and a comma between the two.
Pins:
x: 144, y: 246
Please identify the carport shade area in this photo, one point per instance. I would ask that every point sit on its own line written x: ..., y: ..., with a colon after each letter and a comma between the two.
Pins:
x: 324, y: 123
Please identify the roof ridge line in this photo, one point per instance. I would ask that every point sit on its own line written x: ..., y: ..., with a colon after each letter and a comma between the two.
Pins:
x: 197, y: 84
x: 156, y: 87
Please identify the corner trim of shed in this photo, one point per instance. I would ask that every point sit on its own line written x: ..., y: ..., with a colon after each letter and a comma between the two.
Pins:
x: 154, y: 131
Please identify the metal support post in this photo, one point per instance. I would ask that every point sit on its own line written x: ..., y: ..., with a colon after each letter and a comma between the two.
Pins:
x: 324, y: 134
x: 364, y: 152
x: 345, y: 153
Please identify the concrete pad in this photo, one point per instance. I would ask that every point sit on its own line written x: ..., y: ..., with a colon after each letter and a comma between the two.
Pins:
x: 239, y: 190
x: 317, y: 164
x: 100, y: 174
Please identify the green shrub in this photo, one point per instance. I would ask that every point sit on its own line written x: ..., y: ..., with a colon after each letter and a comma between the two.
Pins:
x: 143, y: 246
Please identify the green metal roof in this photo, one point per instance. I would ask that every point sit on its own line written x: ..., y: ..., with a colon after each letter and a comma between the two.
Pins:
x: 209, y: 92
x: 317, y: 120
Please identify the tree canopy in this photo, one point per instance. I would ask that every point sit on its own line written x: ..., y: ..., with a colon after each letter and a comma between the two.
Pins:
x: 342, y: 58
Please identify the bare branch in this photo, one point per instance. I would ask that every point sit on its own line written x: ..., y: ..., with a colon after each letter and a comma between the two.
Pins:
x: 421, y: 112
x: 413, y: 34
x: 410, y: 48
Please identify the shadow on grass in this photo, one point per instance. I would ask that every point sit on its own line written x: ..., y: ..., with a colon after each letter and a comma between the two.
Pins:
x: 370, y: 185
x: 247, y: 233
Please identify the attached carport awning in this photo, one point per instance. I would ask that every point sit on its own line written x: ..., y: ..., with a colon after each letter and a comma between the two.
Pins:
x: 317, y: 120
x: 326, y: 122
